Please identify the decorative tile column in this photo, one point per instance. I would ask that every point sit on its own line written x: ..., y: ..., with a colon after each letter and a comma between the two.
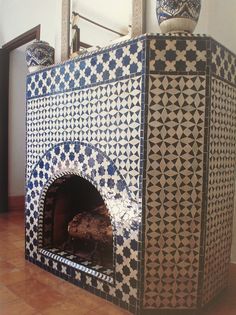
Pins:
x: 155, y: 118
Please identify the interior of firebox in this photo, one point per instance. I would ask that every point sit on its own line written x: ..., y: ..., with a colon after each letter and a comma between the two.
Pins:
x: 81, y: 223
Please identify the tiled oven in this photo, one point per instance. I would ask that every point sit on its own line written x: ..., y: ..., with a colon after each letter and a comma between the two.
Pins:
x: 147, y: 129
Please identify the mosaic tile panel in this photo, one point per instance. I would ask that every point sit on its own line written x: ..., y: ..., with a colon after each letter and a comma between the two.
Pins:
x: 90, y: 163
x: 86, y: 117
x: 103, y: 66
x: 223, y: 62
x: 79, y: 264
x: 174, y: 190
x: 222, y: 161
x: 177, y: 55
x: 108, y: 116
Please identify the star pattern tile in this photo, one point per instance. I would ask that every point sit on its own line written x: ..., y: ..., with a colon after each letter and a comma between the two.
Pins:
x: 222, y: 160
x: 138, y: 114
x: 80, y: 159
x: 174, y: 190
x: 108, y: 116
x: 223, y: 62
x: 178, y: 55
x: 108, y: 64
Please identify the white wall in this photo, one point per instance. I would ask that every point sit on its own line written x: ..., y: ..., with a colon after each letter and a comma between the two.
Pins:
x: 17, y: 147
x: 222, y: 22
x: 18, y: 16
x: 111, y: 13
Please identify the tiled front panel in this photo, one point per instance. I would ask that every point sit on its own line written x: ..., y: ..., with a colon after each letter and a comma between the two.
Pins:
x: 107, y: 116
x: 174, y: 190
x: 222, y: 160
x: 84, y: 118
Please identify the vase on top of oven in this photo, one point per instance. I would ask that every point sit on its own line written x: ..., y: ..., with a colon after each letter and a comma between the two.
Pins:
x: 176, y: 16
x: 39, y: 54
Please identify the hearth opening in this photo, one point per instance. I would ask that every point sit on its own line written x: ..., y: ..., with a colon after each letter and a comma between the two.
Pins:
x: 77, y: 224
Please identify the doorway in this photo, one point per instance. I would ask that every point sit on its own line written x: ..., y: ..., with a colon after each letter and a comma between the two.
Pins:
x: 8, y: 141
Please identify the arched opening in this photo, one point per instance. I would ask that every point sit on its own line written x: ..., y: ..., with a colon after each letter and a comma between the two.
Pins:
x: 76, y: 221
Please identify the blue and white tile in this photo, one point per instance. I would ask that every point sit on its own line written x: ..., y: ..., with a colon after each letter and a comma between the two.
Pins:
x: 104, y: 66
x: 108, y: 116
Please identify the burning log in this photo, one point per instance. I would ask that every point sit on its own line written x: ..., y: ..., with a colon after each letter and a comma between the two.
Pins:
x: 93, y: 227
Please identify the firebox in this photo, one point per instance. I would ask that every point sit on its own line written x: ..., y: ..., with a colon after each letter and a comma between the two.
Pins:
x: 77, y: 225
x: 130, y: 154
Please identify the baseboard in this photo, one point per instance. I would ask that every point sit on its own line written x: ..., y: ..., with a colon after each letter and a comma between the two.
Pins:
x: 16, y: 203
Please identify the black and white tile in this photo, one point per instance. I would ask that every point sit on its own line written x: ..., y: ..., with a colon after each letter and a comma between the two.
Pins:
x: 174, y: 190
x: 223, y: 62
x: 220, y: 203
x: 178, y: 55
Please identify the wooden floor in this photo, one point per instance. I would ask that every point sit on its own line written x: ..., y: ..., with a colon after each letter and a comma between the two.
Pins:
x: 26, y: 289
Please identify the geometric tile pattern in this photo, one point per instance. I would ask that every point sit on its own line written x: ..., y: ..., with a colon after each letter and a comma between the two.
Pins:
x: 137, y: 114
x: 178, y: 55
x: 223, y: 62
x: 79, y: 263
x: 76, y: 158
x: 222, y: 161
x: 107, y: 116
x: 103, y: 66
x: 174, y: 190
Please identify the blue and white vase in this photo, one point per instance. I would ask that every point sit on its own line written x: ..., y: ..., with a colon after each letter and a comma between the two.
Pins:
x: 178, y: 15
x: 39, y: 54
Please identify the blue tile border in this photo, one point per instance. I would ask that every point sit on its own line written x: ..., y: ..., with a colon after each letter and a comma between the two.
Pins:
x: 104, y: 66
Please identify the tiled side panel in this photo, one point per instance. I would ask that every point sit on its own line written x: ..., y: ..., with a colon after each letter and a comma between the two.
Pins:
x: 107, y: 116
x: 223, y: 62
x: 174, y: 190
x: 222, y: 162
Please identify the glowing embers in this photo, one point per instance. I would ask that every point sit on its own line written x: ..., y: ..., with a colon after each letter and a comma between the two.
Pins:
x: 77, y: 224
